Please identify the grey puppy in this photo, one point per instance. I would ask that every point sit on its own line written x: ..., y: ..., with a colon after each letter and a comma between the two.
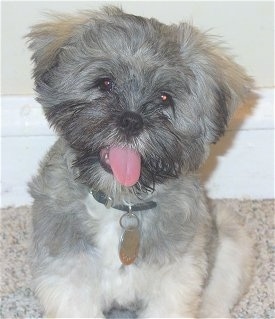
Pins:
x: 120, y: 221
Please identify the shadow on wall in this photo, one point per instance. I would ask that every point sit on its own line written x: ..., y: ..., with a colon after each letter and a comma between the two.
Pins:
x: 227, y: 141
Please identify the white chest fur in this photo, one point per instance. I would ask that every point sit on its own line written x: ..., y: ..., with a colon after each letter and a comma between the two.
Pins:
x: 108, y: 232
x: 164, y: 287
x: 115, y: 279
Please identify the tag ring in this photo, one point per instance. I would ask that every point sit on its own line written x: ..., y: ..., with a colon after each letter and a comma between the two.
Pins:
x: 129, y: 221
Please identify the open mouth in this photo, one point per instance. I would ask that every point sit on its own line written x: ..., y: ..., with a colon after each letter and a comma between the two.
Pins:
x: 123, y: 162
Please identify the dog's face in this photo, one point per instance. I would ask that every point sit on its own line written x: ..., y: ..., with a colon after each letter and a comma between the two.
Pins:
x: 137, y: 100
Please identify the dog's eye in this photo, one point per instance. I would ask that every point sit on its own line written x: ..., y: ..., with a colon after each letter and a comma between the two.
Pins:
x: 105, y: 84
x: 166, y: 99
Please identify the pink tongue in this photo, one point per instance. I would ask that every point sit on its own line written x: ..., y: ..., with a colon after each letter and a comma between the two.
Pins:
x: 125, y: 164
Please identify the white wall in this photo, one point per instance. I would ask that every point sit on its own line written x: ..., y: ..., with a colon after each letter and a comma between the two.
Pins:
x: 241, y: 164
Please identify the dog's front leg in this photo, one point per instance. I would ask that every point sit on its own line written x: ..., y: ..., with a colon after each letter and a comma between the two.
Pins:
x: 174, y: 292
x: 69, y: 288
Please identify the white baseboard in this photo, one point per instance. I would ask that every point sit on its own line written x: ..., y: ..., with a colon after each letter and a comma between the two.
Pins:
x: 241, y: 164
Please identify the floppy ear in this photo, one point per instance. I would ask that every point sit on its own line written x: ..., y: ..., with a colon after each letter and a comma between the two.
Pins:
x: 46, y: 41
x: 219, y: 85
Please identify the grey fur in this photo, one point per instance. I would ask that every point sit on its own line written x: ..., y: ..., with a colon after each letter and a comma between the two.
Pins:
x: 144, y: 58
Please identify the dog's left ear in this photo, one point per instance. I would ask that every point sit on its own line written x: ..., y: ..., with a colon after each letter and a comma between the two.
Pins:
x: 46, y: 40
x: 218, y: 85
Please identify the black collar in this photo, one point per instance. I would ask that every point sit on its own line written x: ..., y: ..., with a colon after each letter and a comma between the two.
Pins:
x: 108, y: 202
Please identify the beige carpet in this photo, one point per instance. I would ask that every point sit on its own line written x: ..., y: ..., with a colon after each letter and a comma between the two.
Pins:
x: 17, y: 300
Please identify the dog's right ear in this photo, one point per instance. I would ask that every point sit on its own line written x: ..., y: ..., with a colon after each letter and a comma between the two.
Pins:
x: 46, y: 41
x: 219, y: 84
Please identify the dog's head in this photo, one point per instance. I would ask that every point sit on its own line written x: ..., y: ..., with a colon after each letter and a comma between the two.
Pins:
x: 138, y: 101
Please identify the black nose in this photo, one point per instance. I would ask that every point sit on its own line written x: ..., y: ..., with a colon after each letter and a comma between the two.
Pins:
x: 130, y: 123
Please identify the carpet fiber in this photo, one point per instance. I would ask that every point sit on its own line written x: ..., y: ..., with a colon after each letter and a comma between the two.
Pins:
x: 18, y: 301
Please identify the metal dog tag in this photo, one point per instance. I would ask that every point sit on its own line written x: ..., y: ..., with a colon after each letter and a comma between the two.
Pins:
x: 129, y: 246
x: 130, y: 239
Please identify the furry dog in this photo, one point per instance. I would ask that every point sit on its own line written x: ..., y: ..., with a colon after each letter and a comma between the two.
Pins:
x: 120, y: 222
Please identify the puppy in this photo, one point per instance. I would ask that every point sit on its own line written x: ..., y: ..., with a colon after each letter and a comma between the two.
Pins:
x: 121, y: 226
